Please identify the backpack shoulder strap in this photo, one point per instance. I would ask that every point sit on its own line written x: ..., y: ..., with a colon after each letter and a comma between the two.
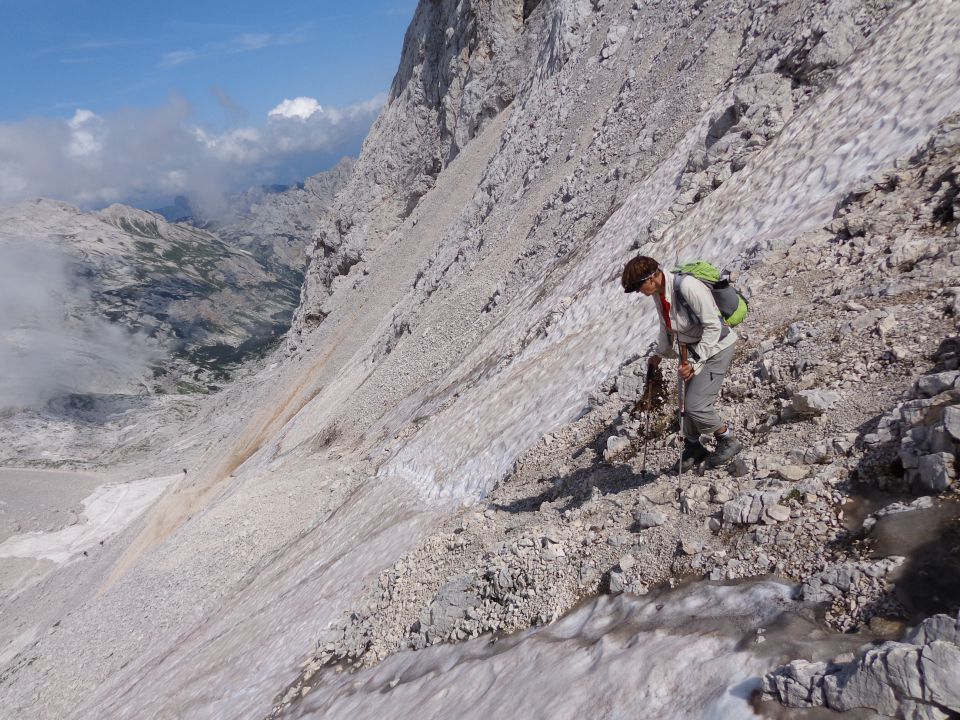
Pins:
x: 680, y: 298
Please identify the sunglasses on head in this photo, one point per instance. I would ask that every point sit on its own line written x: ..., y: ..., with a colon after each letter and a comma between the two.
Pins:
x: 635, y: 287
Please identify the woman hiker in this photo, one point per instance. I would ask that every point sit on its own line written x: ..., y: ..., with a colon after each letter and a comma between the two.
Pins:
x: 710, y: 345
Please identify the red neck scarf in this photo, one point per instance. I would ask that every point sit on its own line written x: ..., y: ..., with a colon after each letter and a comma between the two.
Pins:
x: 665, y: 306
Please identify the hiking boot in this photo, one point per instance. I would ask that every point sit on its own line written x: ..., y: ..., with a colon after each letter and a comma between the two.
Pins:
x: 694, y: 453
x: 727, y: 448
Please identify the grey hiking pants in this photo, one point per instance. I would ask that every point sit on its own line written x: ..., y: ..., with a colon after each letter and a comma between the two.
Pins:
x: 702, y: 417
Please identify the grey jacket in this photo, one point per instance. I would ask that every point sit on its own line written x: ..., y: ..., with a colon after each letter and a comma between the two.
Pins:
x: 704, y: 340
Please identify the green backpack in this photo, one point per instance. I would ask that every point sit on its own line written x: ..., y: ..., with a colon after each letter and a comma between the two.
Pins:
x: 732, y: 305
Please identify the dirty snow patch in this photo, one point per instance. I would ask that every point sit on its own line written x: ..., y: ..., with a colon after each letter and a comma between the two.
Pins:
x: 109, y: 509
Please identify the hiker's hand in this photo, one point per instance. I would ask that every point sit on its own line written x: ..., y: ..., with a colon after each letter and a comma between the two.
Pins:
x: 653, y: 361
x: 686, y: 371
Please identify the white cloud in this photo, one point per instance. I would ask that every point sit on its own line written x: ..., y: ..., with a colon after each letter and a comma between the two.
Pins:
x: 301, y: 107
x: 86, y: 134
x: 144, y: 156
x: 50, y: 342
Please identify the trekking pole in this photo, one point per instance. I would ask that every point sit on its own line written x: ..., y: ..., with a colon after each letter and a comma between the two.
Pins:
x: 647, y: 402
x: 681, y: 396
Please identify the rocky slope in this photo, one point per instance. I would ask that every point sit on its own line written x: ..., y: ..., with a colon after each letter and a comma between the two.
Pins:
x: 462, y: 341
x: 578, y: 516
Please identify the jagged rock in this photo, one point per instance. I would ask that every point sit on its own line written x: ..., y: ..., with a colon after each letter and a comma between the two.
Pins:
x: 866, y: 320
x: 740, y: 467
x: 649, y: 519
x: 690, y: 546
x: 936, y: 471
x: 930, y: 385
x: 612, y: 42
x: 940, y: 668
x: 798, y: 684
x: 814, y: 402
x: 630, y: 387
x: 697, y: 493
x: 764, y: 102
x: 776, y: 513
x: 875, y: 682
x: 830, y: 583
x: 925, y: 411
x: 887, y: 324
x: 720, y: 493
x: 616, y: 445
x: 793, y: 473
x: 938, y: 627
x: 448, y: 606
x: 826, y: 450
x: 748, y: 508
x: 813, y: 455
x: 915, y: 678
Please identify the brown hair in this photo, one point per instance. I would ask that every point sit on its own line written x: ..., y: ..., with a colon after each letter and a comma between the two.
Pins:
x: 637, y: 271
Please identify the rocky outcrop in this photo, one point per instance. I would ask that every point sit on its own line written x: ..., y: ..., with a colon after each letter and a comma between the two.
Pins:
x: 926, y: 428
x: 915, y: 678
x: 460, y: 66
x: 760, y: 106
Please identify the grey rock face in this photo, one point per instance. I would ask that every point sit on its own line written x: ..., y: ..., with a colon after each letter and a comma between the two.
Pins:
x: 630, y: 387
x: 916, y: 678
x: 814, y: 402
x: 830, y: 583
x: 616, y: 444
x: 940, y: 669
x: 840, y: 579
x: 450, y: 605
x: 278, y: 227
x: 458, y: 69
x: 938, y: 627
x: 649, y: 519
x: 951, y: 422
x: 753, y: 506
x: 930, y: 385
x: 936, y: 471
x: 832, y: 38
x: 800, y: 683
x: 928, y: 429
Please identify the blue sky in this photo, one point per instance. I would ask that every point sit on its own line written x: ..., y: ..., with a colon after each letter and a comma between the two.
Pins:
x: 87, y: 82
